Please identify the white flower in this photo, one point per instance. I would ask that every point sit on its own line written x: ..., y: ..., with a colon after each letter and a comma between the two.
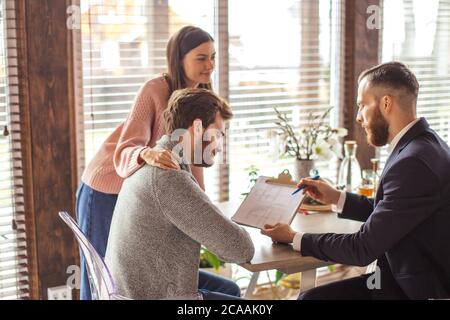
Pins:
x: 336, y: 147
x: 322, y: 150
x: 342, y: 132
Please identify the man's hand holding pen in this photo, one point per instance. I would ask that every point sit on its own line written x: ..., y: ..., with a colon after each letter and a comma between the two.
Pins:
x: 315, y: 188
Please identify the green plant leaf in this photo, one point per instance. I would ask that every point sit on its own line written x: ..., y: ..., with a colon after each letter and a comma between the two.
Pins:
x: 210, y: 258
x: 279, y: 275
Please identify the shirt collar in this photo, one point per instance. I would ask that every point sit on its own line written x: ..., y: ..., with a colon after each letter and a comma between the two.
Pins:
x: 399, y: 135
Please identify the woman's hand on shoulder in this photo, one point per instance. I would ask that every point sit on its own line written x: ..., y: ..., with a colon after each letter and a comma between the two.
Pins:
x: 159, y: 158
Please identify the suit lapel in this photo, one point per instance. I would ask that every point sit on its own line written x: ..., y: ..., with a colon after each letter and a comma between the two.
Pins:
x: 416, y: 130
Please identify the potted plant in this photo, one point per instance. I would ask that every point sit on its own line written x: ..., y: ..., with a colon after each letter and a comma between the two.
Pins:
x: 317, y: 140
x: 210, y: 262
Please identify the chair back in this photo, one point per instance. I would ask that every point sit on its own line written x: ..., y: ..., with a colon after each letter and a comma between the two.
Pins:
x: 100, y: 279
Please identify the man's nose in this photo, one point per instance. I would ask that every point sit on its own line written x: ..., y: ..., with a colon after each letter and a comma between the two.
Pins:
x: 359, y: 117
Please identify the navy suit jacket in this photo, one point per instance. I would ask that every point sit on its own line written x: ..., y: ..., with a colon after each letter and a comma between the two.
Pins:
x: 407, y: 225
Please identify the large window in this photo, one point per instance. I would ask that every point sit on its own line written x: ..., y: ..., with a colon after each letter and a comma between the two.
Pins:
x: 280, y: 57
x: 124, y: 45
x: 418, y: 34
x: 13, y: 253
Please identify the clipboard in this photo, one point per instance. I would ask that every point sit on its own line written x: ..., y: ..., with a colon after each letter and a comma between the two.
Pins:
x: 270, y: 201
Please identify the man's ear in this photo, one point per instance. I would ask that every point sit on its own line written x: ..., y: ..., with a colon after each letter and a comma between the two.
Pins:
x: 386, y: 103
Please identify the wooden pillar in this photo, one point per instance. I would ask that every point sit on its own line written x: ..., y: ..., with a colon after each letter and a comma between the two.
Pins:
x: 361, y: 52
x: 222, y: 72
x: 49, y: 139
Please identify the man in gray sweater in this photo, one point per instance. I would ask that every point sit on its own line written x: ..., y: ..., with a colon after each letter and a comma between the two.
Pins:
x: 162, y: 216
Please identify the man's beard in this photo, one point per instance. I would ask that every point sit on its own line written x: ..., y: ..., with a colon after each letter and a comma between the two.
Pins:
x: 378, y: 130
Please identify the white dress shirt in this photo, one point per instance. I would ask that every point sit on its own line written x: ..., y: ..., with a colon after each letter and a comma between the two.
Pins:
x: 296, y: 244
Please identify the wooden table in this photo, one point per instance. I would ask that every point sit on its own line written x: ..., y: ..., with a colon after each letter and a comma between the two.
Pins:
x: 269, y: 256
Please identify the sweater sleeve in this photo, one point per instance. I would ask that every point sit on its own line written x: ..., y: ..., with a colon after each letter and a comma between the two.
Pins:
x: 136, y: 134
x: 189, y: 209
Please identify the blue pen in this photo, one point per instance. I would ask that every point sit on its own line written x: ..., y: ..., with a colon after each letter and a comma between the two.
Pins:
x: 303, y: 186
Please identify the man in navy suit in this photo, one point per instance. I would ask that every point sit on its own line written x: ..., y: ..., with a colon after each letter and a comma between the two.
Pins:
x: 407, y: 226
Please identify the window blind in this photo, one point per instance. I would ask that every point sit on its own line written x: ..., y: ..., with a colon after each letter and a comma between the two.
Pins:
x: 417, y: 33
x: 13, y: 248
x: 123, y: 46
x: 279, y: 57
x: 289, y: 63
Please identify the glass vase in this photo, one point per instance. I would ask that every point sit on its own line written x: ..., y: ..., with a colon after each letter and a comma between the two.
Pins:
x: 350, y: 170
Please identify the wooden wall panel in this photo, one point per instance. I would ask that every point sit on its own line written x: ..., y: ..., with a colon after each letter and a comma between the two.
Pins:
x: 50, y: 106
x: 361, y: 52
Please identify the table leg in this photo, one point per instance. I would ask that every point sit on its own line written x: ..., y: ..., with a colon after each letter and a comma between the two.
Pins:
x: 251, y: 286
x: 308, y: 280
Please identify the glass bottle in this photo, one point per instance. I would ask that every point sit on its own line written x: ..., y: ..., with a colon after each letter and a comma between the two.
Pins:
x: 350, y: 170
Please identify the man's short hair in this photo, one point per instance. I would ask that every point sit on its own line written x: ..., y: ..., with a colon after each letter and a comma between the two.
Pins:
x: 188, y: 104
x: 396, y: 79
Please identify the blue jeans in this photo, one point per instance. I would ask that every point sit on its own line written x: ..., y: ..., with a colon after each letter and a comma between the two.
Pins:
x: 94, y: 214
x: 213, y: 287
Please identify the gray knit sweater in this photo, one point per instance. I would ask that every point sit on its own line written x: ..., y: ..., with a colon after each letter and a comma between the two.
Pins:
x: 160, y: 220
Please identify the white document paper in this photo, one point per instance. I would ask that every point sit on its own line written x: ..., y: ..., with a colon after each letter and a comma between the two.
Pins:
x: 268, y: 203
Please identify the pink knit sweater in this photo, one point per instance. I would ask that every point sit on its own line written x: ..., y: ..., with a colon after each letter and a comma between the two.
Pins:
x: 117, y: 157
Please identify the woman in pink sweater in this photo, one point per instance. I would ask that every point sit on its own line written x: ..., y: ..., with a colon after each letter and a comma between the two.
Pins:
x: 190, y: 60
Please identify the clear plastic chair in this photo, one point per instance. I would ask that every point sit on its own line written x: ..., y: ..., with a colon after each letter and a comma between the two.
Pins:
x: 100, y: 279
